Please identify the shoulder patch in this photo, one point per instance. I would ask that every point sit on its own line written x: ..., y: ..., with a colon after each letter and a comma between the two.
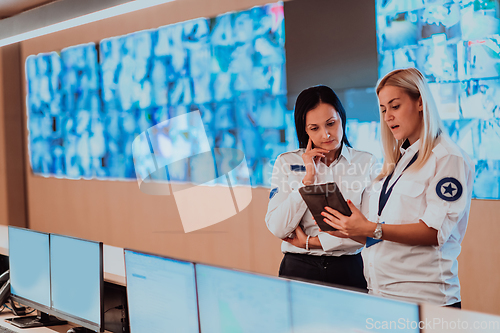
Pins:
x: 273, y: 193
x: 449, y: 189
x: 297, y: 167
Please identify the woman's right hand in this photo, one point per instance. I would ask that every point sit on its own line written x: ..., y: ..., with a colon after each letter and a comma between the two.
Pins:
x: 311, y: 157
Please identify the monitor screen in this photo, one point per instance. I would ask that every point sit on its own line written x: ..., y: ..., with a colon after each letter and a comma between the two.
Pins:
x: 77, y: 280
x: 30, y: 266
x: 161, y: 293
x: 233, y: 301
x: 318, y: 309
x: 455, y: 44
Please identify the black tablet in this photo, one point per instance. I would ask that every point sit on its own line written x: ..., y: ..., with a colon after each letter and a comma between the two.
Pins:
x: 317, y: 197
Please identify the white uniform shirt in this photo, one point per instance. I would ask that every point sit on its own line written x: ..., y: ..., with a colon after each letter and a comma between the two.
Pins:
x: 438, y: 194
x: 354, y: 171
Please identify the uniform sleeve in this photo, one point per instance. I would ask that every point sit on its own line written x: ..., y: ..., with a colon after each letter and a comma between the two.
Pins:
x: 286, y: 206
x: 448, y: 196
x: 332, y: 243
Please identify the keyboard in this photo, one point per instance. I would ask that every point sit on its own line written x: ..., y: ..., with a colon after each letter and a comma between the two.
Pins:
x: 6, y: 330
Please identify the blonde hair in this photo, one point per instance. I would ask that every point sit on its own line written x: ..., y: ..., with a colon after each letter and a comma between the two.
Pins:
x: 415, y: 85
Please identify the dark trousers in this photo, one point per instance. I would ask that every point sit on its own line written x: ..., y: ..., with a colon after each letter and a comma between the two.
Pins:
x: 346, y: 270
x: 457, y: 305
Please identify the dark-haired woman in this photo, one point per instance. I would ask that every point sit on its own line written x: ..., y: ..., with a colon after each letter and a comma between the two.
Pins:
x: 325, y: 155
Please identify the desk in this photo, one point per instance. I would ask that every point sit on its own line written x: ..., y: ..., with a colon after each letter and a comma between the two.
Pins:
x: 114, y: 265
x: 4, y: 240
x: 7, y: 314
x: 50, y: 329
x: 437, y: 319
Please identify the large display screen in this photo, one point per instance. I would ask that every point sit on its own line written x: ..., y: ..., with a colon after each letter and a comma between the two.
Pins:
x: 161, y: 294
x: 87, y: 104
x: 456, y: 45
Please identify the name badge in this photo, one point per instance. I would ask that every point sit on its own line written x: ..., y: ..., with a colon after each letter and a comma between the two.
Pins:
x: 297, y: 167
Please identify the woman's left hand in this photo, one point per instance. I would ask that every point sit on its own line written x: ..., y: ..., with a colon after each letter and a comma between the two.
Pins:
x: 299, y: 240
x: 348, y: 226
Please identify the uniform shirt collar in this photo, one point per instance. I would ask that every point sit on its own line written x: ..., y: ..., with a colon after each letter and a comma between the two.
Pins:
x: 346, y: 153
x: 406, y: 147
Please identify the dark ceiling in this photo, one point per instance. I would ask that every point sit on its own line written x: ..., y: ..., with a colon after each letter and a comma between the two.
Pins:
x: 10, y: 8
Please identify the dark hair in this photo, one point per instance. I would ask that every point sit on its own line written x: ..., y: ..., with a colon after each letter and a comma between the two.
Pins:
x: 310, y: 98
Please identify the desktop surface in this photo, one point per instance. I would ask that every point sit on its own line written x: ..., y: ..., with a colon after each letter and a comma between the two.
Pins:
x: 6, y: 314
x: 48, y: 329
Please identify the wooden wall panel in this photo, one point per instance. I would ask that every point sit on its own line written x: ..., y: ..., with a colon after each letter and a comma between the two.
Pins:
x: 3, y: 170
x: 12, y: 182
x: 478, y: 264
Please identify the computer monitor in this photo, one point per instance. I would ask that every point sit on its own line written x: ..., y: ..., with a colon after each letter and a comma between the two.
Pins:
x: 29, y: 264
x: 161, y: 294
x: 76, y: 269
x: 318, y: 309
x: 235, y: 301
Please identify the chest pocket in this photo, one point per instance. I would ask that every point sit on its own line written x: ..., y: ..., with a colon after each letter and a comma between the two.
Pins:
x: 352, y: 188
x: 295, y: 180
x: 407, y: 200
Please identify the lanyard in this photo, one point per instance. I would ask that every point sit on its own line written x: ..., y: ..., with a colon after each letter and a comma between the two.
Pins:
x: 385, y: 194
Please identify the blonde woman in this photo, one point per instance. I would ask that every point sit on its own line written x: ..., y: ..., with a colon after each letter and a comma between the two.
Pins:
x: 419, y: 204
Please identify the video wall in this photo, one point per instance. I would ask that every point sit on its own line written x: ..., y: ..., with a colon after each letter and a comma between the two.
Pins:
x: 87, y: 103
x: 456, y: 45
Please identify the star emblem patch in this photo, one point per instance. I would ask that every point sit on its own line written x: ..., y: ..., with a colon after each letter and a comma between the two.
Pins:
x: 449, y: 189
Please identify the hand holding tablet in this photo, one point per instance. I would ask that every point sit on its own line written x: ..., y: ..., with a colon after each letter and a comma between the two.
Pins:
x: 317, y: 197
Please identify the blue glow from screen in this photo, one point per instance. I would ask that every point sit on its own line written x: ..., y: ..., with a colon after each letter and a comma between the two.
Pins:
x: 456, y: 45
x: 232, y: 301
x: 29, y: 265
x: 84, y: 113
x: 161, y: 294
x: 317, y: 309
x: 76, y: 272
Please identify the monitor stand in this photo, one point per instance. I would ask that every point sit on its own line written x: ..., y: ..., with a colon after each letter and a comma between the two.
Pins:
x: 41, y: 319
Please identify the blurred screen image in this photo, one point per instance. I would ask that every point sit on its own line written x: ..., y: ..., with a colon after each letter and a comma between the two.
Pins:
x: 456, y: 45
x: 86, y: 104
